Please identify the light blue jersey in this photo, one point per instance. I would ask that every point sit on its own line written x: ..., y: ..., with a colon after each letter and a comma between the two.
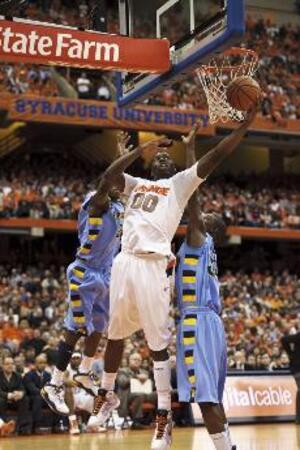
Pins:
x: 197, y: 276
x: 99, y: 236
x: 89, y: 275
x: 201, y: 343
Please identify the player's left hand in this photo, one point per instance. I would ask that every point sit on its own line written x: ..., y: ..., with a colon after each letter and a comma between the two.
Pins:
x: 123, y: 138
x: 192, y: 134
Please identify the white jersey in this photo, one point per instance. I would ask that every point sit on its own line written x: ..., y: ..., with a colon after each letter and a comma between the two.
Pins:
x: 154, y: 210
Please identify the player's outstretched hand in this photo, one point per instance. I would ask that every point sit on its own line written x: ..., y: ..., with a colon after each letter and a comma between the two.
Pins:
x: 192, y: 134
x: 156, y: 146
x: 123, y: 138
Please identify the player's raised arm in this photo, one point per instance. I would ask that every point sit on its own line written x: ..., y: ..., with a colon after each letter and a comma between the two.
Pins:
x: 196, y: 225
x: 214, y: 157
x: 114, y: 174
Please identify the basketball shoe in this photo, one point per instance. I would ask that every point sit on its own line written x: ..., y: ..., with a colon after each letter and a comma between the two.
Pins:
x: 162, y: 438
x: 7, y: 428
x: 54, y: 396
x: 105, y: 403
x: 87, y: 381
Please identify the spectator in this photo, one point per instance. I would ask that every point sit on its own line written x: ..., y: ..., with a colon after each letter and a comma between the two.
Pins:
x: 83, y: 86
x: 249, y: 200
x: 265, y: 363
x: 251, y: 363
x: 134, y: 388
x: 282, y: 363
x: 291, y: 344
x: 239, y: 361
x: 19, y: 362
x: 13, y: 397
x: 51, y: 351
x: 33, y: 381
x: 103, y: 93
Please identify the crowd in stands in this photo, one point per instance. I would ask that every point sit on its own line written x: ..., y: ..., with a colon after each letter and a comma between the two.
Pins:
x: 39, y: 80
x: 42, y: 188
x: 259, y: 308
x: 278, y: 72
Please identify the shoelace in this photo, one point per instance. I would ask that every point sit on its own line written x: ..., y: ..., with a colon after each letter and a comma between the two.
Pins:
x: 59, y: 393
x: 162, y: 422
x: 94, y: 378
x: 99, y: 402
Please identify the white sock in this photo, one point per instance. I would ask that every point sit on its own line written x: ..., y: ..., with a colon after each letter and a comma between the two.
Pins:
x: 221, y: 441
x: 162, y: 376
x: 57, y: 377
x: 108, y: 381
x: 72, y: 418
x: 86, y: 364
x: 227, y: 431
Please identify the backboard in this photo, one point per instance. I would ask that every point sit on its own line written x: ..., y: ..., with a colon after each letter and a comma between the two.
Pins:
x: 196, y: 29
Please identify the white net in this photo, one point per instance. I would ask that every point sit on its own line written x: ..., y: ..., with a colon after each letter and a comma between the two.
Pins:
x: 218, y: 74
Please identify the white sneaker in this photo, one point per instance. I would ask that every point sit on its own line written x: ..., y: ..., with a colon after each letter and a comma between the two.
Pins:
x: 105, y: 403
x: 87, y: 381
x: 162, y: 438
x: 74, y: 427
x: 54, y: 396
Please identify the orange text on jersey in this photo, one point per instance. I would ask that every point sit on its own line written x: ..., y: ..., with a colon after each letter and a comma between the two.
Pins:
x: 153, y: 188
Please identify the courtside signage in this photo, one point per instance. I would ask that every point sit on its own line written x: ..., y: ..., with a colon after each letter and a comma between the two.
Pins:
x: 254, y: 398
x: 38, y: 43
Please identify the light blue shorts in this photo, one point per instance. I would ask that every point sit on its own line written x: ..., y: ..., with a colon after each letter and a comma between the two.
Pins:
x: 88, y: 299
x: 201, y: 356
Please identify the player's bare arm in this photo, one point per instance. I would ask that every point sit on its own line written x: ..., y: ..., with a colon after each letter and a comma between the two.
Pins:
x: 196, y: 227
x: 214, y: 157
x: 113, y: 176
x: 100, y: 199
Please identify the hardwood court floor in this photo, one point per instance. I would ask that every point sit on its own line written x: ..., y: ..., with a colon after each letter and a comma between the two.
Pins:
x: 251, y: 437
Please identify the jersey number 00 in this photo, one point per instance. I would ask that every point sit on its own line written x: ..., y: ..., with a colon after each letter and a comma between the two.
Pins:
x: 145, y: 202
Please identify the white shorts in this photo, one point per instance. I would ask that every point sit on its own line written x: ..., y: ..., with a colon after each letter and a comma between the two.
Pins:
x: 83, y: 401
x: 140, y: 299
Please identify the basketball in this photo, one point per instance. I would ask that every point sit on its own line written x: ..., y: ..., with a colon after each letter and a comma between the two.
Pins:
x: 242, y: 93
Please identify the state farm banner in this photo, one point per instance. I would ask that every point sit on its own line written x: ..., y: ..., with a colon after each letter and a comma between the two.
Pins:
x: 42, y: 43
x: 103, y: 114
x: 252, y: 398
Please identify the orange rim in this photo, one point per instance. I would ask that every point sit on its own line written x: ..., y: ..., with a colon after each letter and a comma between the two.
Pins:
x: 234, y: 51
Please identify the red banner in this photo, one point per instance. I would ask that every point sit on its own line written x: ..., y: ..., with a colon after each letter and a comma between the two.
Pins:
x: 39, y: 43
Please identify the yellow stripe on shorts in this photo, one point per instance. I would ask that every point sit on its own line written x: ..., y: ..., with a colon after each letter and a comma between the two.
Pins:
x: 95, y: 221
x: 189, y: 298
x: 189, y: 279
x: 191, y: 261
x: 93, y: 237
x: 79, y: 319
x: 74, y: 287
x: 189, y: 360
x: 190, y: 322
x: 76, y: 303
x: 78, y: 273
x: 192, y: 379
x: 84, y: 251
x: 189, y: 340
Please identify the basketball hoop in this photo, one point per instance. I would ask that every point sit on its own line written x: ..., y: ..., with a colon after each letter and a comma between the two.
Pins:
x: 218, y: 74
